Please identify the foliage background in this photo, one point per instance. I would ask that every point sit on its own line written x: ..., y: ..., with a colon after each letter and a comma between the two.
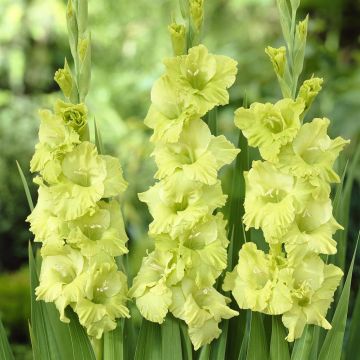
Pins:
x: 129, y: 41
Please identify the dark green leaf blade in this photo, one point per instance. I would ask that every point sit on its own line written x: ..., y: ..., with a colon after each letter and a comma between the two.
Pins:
x: 26, y: 187
x: 258, y: 345
x: 332, y: 346
x: 303, y: 345
x: 171, y: 339
x: 279, y: 348
x: 149, y: 342
x: 5, y: 350
x: 114, y: 342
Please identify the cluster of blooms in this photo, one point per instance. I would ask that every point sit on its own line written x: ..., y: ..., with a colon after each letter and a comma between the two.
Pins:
x: 78, y: 220
x: 190, y: 242
x: 287, y: 197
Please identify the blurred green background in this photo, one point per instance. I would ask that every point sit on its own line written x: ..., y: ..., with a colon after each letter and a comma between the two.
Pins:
x: 129, y: 41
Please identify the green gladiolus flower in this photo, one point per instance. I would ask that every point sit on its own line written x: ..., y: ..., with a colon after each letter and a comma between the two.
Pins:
x: 272, y: 200
x: 313, y: 292
x: 151, y: 286
x: 312, y: 153
x: 169, y: 111
x: 202, y: 249
x: 202, y: 310
x: 269, y: 126
x: 56, y: 139
x: 74, y: 116
x: 312, y: 232
x: 101, y: 231
x: 47, y: 227
x: 81, y: 183
x: 62, y: 279
x: 202, y: 78
x: 176, y: 210
x: 199, y: 157
x: 104, y: 301
x: 259, y: 283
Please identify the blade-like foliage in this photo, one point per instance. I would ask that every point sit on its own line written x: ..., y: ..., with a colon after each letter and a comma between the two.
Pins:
x: 171, y: 339
x: 302, y: 346
x: 26, y: 187
x: 333, y: 342
x: 353, y: 342
x: 149, y: 342
x: 279, y: 348
x: 187, y: 353
x: 113, y: 342
x: 5, y: 350
x: 258, y: 344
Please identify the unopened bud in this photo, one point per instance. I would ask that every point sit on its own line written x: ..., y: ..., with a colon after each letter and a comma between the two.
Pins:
x: 64, y: 79
x: 197, y: 13
x: 309, y: 90
x: 278, y: 58
x: 178, y: 38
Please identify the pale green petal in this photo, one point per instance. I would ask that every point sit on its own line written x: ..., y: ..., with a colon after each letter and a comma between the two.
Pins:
x: 312, y: 153
x: 269, y: 126
x: 205, y: 334
x: 115, y: 183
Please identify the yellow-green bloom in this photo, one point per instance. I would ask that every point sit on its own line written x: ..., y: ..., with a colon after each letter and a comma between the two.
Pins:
x: 269, y: 126
x: 313, y: 292
x: 202, y: 309
x: 55, y: 140
x: 151, y: 286
x: 47, y: 227
x: 198, y: 154
x: 177, y: 209
x: 81, y: 183
x: 62, y: 279
x: 202, y: 78
x: 101, y: 231
x: 104, y: 301
x: 202, y: 249
x: 169, y: 111
x: 74, y: 116
x: 312, y: 231
x: 258, y: 283
x: 312, y: 153
x: 272, y: 199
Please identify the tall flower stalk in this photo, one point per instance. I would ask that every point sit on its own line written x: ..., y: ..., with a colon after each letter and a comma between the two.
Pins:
x: 77, y: 218
x: 190, y: 238
x: 288, y: 197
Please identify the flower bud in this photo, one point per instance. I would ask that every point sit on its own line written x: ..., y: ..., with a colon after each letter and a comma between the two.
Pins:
x: 64, y: 79
x: 178, y: 38
x: 73, y: 115
x: 309, y: 90
x: 197, y: 13
x: 278, y: 59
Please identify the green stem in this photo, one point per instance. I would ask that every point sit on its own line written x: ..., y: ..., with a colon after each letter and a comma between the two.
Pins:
x: 98, y: 346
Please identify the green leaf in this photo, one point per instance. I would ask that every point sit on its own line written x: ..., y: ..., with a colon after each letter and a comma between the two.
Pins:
x: 218, y: 346
x: 186, y: 343
x: 258, y: 345
x: 302, y: 346
x: 204, y: 352
x: 26, y: 187
x: 5, y: 350
x: 149, y: 342
x: 246, y: 337
x: 352, y: 346
x: 98, y: 140
x: 113, y: 342
x: 171, y: 339
x: 333, y: 342
x: 211, y: 119
x: 81, y: 346
x: 279, y: 349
